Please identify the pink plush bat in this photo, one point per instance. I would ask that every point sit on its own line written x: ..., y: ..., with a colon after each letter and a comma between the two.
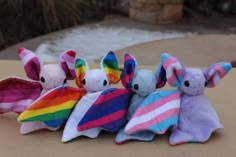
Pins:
x: 16, y: 94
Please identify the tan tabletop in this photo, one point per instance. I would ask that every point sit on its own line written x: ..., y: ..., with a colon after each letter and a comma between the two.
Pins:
x: 197, y: 50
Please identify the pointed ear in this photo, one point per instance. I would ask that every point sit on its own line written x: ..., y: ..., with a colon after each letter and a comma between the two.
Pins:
x: 81, y: 67
x: 161, y: 76
x: 31, y: 63
x: 67, y: 62
x: 110, y: 65
x: 129, y: 71
x: 216, y: 72
x: 174, y: 69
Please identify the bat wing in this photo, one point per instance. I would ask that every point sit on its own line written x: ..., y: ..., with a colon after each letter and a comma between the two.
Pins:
x: 54, y: 107
x: 16, y: 94
x: 108, y: 111
x: 156, y: 113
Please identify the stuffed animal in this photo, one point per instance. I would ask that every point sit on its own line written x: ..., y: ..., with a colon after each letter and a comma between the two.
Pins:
x: 197, y: 118
x: 16, y: 94
x: 102, y: 108
x: 45, y: 78
x: 143, y: 83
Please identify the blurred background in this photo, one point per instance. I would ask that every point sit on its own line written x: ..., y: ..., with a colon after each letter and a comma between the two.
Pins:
x: 114, y: 23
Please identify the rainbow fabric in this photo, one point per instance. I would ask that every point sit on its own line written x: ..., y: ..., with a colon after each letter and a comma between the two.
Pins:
x: 156, y: 113
x: 111, y: 68
x: 54, y: 107
x: 80, y: 68
x: 108, y: 111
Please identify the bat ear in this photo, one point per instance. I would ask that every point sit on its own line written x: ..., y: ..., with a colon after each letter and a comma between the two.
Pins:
x: 160, y: 74
x: 81, y: 66
x: 215, y: 73
x: 32, y: 64
x: 67, y: 62
x: 129, y: 71
x: 110, y: 65
x: 174, y: 69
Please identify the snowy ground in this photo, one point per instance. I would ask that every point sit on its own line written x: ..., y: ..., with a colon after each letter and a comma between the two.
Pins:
x: 92, y: 43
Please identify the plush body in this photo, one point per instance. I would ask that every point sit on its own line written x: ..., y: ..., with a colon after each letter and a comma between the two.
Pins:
x: 45, y: 78
x: 102, y: 108
x: 197, y: 118
x: 142, y: 82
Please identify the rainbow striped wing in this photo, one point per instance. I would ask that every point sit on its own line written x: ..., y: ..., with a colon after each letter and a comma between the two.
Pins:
x: 108, y: 111
x: 17, y: 94
x: 158, y: 112
x: 54, y: 107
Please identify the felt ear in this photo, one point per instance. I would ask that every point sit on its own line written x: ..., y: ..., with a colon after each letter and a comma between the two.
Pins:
x: 31, y: 63
x: 67, y: 62
x: 81, y: 67
x: 216, y: 72
x: 161, y: 76
x: 128, y: 73
x: 110, y: 65
x: 174, y: 69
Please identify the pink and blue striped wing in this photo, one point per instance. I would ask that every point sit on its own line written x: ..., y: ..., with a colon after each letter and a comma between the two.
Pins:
x: 108, y: 111
x: 17, y: 94
x: 157, y: 113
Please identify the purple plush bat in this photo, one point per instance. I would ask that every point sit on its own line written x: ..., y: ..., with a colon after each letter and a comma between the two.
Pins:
x: 16, y: 94
x: 197, y: 118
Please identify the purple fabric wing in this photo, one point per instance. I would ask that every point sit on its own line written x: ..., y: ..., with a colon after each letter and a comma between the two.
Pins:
x: 17, y: 94
x: 197, y: 121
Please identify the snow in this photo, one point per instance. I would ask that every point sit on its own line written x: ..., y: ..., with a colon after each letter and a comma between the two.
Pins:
x: 92, y: 43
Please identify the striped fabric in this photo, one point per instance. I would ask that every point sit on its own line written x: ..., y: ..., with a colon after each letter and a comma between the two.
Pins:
x: 174, y: 69
x: 17, y: 94
x: 110, y: 66
x: 80, y: 68
x: 108, y: 111
x: 156, y: 113
x: 28, y: 57
x: 128, y: 72
x: 54, y: 107
x: 67, y: 60
x: 216, y: 72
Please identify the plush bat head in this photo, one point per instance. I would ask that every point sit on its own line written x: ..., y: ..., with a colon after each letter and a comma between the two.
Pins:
x: 49, y: 75
x: 141, y: 81
x: 192, y: 81
x: 98, y: 79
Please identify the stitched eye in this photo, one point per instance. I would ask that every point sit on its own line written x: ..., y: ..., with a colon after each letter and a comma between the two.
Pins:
x: 206, y: 83
x: 186, y: 83
x: 136, y: 86
x: 42, y: 79
x: 84, y: 82
x: 64, y: 81
x: 104, y: 82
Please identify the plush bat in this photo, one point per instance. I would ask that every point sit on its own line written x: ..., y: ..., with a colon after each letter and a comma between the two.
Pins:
x: 146, y: 110
x: 18, y: 94
x: 197, y: 118
x: 102, y: 108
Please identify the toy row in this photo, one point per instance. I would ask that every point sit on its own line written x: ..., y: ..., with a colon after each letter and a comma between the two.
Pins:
x: 138, y: 111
